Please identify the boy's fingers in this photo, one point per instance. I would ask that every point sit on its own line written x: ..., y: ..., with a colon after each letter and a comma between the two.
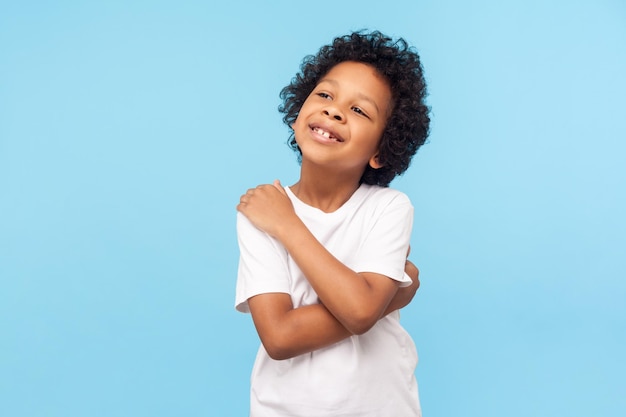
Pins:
x: 279, y: 187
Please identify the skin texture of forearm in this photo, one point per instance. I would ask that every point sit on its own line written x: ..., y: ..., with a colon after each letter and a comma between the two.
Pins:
x: 287, y: 332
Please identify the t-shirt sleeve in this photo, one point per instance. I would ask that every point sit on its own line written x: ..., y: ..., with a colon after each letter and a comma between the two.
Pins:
x: 262, y: 264
x: 384, y: 248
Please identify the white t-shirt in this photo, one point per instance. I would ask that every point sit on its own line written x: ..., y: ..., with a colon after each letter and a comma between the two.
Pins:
x: 367, y: 375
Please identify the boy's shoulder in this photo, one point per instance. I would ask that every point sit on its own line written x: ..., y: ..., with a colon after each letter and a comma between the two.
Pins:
x: 383, y: 192
x: 384, y: 195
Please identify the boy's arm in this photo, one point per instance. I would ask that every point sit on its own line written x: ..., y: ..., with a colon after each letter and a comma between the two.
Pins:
x: 357, y: 300
x: 287, y: 332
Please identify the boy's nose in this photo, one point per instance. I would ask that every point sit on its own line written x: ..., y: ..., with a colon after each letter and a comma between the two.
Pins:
x: 334, y: 113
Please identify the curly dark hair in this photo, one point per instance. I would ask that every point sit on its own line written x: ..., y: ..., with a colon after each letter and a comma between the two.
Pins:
x: 407, y: 127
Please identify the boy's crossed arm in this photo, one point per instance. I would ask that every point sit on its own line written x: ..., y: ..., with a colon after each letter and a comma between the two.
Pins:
x: 352, y: 302
x: 287, y: 332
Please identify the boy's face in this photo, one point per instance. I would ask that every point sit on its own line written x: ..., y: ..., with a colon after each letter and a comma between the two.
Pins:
x: 341, y: 122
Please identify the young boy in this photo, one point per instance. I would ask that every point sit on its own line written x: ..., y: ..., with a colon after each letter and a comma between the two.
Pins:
x: 323, y: 266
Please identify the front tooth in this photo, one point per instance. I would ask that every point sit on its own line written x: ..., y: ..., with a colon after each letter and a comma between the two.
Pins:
x: 326, y: 134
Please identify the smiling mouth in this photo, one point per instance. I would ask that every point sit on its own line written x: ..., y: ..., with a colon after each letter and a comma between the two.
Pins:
x: 326, y: 134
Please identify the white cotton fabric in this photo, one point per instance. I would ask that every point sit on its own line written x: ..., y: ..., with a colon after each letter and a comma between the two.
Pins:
x: 366, y: 375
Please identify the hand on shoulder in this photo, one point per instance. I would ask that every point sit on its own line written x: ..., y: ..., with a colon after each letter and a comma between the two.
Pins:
x: 267, y: 206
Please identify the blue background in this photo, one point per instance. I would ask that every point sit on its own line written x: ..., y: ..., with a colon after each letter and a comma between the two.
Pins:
x: 128, y: 131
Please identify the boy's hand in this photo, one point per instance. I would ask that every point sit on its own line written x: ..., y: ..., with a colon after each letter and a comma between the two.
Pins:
x: 267, y: 207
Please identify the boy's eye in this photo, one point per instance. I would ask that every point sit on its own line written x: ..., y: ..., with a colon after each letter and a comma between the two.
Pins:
x: 359, y: 111
x: 323, y: 95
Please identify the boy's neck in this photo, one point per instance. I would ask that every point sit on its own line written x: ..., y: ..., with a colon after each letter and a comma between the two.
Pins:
x: 325, y: 192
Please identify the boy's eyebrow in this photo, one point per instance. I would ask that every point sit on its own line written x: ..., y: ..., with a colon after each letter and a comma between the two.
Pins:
x: 360, y: 95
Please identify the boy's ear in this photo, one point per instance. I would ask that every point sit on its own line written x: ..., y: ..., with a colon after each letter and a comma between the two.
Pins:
x: 374, y: 162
